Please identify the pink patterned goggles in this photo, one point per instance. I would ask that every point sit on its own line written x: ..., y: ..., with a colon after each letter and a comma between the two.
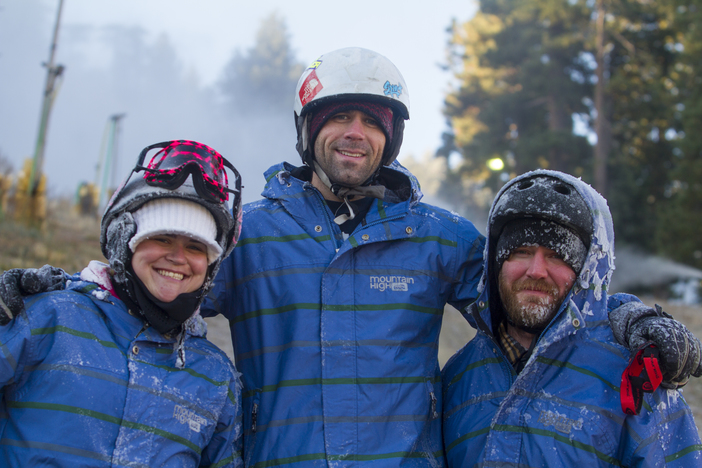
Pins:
x: 178, y: 159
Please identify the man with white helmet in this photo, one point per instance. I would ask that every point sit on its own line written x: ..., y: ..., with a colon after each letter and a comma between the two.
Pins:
x: 336, y: 290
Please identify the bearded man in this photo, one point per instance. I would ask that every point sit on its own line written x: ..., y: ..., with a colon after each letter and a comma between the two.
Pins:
x: 539, y: 385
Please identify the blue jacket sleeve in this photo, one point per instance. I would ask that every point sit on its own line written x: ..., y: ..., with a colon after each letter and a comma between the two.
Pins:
x: 221, y: 294
x: 225, y: 448
x: 619, y: 299
x: 471, y: 245
x: 673, y: 440
x: 14, y: 345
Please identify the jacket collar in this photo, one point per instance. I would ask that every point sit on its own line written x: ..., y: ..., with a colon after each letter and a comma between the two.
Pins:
x: 404, y: 189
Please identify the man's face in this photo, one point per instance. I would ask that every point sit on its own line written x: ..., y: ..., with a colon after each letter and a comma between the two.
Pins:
x: 349, y: 147
x: 533, y: 282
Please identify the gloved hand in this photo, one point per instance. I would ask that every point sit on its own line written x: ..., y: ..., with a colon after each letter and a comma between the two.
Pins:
x: 635, y: 325
x: 17, y: 283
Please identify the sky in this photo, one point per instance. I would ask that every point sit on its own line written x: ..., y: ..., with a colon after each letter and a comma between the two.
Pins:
x: 204, y: 35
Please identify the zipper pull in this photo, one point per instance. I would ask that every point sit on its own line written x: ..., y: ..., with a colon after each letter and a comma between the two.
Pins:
x: 146, y: 325
x: 434, y: 414
x: 254, y: 417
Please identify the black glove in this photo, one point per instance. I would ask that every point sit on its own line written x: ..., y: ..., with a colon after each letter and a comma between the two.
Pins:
x: 17, y: 283
x: 636, y: 325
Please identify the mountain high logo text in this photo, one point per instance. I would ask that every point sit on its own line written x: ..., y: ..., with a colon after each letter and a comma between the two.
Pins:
x: 391, y: 283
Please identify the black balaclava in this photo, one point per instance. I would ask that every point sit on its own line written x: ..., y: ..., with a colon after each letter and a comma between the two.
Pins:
x: 163, y: 316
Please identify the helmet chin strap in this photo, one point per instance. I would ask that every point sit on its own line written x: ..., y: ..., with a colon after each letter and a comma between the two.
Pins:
x: 345, y: 193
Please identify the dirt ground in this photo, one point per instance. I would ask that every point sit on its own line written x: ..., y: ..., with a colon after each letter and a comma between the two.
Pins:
x: 67, y: 241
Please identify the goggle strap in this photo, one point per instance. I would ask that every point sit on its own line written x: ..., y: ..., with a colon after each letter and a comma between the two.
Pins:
x: 236, y: 174
x: 142, y: 155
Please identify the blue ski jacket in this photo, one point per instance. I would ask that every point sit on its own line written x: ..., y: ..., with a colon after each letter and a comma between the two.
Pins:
x: 85, y: 385
x: 337, y: 339
x: 564, y: 408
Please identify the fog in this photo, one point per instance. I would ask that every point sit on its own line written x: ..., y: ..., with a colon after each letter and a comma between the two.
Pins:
x: 114, y: 70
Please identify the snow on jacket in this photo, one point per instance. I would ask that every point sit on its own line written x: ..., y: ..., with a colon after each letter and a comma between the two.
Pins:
x: 337, y: 339
x: 564, y: 408
x: 84, y: 386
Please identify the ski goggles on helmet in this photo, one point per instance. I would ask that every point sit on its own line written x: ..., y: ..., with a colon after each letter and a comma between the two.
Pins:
x: 178, y: 159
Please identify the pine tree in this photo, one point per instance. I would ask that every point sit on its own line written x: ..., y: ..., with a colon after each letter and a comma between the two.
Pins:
x: 263, y: 80
x: 525, y: 68
x: 521, y: 77
x: 680, y: 217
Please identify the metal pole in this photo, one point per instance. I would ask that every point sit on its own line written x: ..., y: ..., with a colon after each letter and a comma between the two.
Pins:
x: 52, y: 73
x: 110, y: 156
x: 115, y: 150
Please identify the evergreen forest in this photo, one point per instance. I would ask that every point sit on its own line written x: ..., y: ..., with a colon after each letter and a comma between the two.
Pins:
x: 606, y: 90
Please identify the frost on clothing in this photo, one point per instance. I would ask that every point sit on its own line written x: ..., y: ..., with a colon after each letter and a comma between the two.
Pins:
x: 337, y: 339
x: 82, y: 387
x: 564, y: 408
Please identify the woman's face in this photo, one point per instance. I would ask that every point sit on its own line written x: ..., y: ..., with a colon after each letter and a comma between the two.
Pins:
x: 170, y: 265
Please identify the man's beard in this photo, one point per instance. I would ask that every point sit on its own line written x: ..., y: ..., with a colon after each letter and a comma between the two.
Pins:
x: 531, y: 312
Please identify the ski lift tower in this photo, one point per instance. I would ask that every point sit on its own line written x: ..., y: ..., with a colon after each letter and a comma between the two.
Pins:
x: 108, y: 161
x: 34, y: 206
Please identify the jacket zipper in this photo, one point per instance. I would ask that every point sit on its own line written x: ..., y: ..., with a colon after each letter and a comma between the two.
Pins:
x: 330, y: 225
x: 254, y: 417
x: 430, y: 387
x: 254, y: 410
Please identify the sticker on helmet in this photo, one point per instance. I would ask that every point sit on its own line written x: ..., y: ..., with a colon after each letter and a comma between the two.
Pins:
x: 310, y: 88
x: 392, y: 90
x: 315, y: 65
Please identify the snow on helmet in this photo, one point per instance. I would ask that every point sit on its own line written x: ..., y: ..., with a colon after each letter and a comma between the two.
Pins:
x: 351, y: 74
x: 544, y: 197
x: 182, y: 169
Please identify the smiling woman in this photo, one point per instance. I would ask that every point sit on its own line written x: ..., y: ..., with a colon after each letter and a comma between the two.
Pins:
x: 121, y: 331
x: 178, y: 210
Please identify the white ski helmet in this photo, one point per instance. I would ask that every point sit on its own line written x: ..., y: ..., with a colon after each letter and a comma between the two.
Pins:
x: 351, y: 74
